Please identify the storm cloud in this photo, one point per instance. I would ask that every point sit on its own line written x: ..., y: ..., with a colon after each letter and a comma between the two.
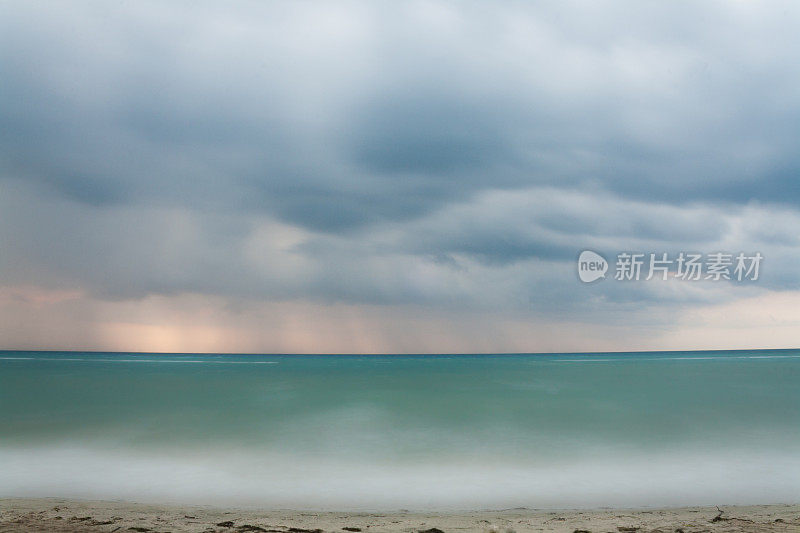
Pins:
x: 441, y: 156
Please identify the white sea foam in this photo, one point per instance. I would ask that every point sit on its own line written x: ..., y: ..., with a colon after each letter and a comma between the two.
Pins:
x: 590, y: 359
x: 160, y: 360
x: 231, y: 477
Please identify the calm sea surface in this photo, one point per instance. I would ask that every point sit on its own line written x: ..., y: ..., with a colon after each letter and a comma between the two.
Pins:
x: 398, y: 431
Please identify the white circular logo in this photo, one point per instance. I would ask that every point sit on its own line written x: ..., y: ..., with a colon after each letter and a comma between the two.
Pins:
x: 591, y: 266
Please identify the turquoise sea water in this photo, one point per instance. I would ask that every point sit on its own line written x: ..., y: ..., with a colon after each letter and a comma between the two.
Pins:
x: 398, y: 431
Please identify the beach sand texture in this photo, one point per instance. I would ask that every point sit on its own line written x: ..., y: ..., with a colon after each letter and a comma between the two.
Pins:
x: 102, y: 517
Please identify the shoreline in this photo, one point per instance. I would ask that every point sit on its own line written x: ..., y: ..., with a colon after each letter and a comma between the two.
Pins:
x: 72, y: 516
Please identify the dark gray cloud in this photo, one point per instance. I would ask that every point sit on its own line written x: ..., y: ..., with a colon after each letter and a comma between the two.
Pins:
x: 441, y: 153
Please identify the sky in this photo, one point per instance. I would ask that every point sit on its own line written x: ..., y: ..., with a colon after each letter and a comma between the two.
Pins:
x: 361, y: 177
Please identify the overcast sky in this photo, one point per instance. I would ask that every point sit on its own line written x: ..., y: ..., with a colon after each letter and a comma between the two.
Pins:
x: 394, y: 176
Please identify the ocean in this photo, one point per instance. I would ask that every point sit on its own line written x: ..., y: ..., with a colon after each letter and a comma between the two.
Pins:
x: 388, y: 432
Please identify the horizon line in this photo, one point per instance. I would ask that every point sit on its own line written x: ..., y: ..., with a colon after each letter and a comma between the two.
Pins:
x: 378, y: 354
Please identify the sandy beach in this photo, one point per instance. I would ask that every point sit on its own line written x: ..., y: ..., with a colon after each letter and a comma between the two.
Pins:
x: 98, y: 516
